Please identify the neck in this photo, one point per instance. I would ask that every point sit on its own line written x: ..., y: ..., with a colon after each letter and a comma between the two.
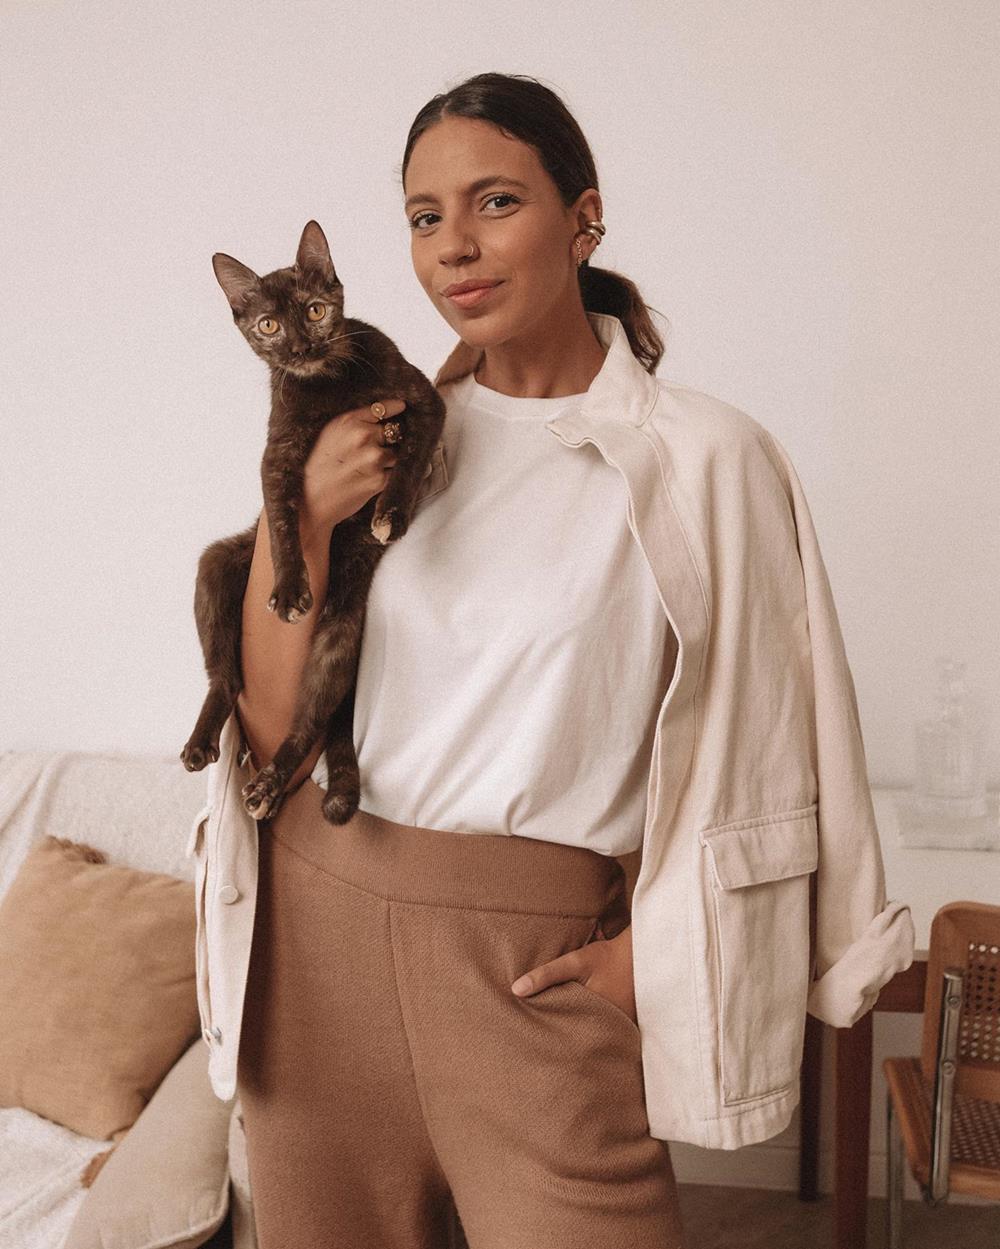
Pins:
x: 561, y: 358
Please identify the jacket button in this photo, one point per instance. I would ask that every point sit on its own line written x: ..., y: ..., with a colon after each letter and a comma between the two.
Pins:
x: 217, y: 1033
x: 228, y: 893
x: 207, y: 1035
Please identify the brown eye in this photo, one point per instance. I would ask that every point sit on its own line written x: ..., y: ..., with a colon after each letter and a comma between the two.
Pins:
x: 267, y: 325
x: 316, y: 311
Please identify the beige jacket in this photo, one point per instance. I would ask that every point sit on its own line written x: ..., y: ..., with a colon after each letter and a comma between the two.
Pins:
x: 759, y: 814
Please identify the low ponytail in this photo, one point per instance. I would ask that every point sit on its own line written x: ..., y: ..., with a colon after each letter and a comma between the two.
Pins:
x: 605, y: 290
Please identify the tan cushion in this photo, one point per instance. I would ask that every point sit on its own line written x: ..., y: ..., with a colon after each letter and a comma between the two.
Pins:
x: 167, y: 1183
x: 97, y: 981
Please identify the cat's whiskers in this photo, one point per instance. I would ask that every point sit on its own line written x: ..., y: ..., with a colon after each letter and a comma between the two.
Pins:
x: 350, y: 334
x: 284, y: 371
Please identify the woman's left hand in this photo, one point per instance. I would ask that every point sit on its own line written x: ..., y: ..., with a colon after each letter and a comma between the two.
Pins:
x: 603, y: 966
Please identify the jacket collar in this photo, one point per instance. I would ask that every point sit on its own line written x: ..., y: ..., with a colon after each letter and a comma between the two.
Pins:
x: 622, y: 390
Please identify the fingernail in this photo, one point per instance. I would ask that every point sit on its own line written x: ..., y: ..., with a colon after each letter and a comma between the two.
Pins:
x: 521, y: 985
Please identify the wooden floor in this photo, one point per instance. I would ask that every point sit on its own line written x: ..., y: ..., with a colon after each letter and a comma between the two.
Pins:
x: 754, y: 1218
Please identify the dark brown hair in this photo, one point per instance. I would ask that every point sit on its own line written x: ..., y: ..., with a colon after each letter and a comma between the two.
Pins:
x: 525, y: 109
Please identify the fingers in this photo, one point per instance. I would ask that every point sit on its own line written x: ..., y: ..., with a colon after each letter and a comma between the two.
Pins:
x: 387, y: 432
x: 569, y: 966
x: 392, y: 407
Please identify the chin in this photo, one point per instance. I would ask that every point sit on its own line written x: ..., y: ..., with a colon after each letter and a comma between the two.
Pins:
x: 485, y: 331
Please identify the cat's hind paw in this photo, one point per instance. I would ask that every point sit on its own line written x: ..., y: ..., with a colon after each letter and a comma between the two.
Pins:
x: 195, y: 757
x: 262, y: 795
x: 339, y: 808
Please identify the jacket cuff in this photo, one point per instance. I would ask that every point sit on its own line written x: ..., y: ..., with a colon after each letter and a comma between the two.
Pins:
x: 849, y: 988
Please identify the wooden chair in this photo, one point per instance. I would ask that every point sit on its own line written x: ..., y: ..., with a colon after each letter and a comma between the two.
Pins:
x: 944, y: 1106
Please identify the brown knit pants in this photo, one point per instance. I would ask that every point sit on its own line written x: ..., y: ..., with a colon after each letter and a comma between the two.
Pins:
x: 387, y: 1070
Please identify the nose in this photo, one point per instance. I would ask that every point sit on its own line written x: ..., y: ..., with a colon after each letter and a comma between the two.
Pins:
x: 298, y: 349
x: 455, y: 243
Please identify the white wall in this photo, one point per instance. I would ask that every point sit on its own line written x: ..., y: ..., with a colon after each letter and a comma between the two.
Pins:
x: 808, y: 191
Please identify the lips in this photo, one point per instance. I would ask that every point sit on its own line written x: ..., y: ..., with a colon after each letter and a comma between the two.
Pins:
x: 470, y: 284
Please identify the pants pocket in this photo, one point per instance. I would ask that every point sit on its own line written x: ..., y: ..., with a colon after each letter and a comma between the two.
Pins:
x: 759, y: 888
x: 601, y: 1003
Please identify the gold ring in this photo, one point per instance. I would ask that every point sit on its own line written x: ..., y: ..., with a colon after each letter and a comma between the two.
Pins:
x: 378, y: 410
x: 392, y: 432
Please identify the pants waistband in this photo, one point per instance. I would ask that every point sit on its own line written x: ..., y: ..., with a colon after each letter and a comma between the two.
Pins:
x: 483, y: 871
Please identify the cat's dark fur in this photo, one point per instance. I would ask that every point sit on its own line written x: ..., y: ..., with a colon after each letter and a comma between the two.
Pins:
x: 319, y: 368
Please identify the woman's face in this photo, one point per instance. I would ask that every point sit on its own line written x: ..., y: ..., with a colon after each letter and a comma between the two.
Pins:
x: 466, y: 222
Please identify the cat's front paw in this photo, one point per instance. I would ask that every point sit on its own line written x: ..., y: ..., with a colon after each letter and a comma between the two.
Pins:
x: 291, y: 600
x: 389, y: 525
x: 262, y: 795
x: 196, y: 756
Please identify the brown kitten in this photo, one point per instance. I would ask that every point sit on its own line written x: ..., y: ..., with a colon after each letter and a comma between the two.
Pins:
x: 322, y: 364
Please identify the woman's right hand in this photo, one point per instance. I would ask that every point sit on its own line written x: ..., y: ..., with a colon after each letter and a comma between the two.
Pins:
x: 347, y: 466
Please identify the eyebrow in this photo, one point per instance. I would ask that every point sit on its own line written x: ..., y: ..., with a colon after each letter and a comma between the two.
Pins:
x: 493, y: 179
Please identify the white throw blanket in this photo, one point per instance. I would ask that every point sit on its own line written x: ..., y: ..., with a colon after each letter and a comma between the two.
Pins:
x: 40, y: 1191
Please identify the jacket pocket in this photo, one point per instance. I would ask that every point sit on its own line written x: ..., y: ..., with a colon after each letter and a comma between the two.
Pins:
x: 198, y: 849
x: 760, y: 899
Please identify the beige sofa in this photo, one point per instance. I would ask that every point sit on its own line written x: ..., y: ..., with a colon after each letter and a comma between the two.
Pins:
x: 178, y: 1175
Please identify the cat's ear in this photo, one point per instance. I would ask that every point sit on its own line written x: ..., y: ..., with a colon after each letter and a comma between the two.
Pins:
x: 236, y: 280
x: 314, y: 253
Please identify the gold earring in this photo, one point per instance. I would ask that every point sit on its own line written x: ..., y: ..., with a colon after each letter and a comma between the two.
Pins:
x: 596, y: 230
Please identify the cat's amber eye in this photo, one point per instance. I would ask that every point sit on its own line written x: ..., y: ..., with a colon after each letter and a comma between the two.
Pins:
x: 316, y: 311
x: 267, y: 325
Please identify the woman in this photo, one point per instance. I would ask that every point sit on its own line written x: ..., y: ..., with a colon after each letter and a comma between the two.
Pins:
x: 441, y: 998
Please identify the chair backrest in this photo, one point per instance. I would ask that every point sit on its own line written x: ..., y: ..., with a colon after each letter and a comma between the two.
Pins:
x: 966, y: 936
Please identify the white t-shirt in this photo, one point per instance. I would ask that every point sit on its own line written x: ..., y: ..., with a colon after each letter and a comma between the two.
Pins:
x: 514, y: 654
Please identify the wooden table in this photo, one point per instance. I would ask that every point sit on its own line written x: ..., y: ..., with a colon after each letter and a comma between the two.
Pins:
x: 926, y: 879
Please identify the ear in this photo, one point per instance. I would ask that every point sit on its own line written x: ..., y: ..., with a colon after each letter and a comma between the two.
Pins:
x: 236, y: 280
x: 588, y: 207
x: 314, y: 253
